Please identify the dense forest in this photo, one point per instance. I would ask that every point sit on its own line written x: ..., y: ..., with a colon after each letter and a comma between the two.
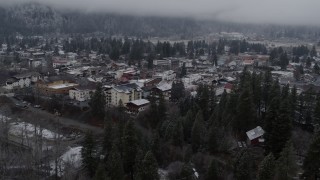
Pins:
x: 198, y: 133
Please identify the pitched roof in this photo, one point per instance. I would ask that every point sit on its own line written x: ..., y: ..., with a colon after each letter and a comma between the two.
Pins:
x: 127, y: 88
x: 140, y: 102
x: 255, y: 133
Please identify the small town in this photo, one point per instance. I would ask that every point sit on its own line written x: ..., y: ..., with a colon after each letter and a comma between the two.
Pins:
x: 223, y: 105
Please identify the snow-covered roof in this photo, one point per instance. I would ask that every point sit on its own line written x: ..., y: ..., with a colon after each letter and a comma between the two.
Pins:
x: 140, y: 102
x: 127, y: 88
x: 60, y: 86
x: 164, y: 86
x: 255, y: 133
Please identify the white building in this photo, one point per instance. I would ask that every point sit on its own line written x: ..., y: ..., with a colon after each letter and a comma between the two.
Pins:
x: 167, y: 75
x: 125, y: 93
x: 35, y: 63
x: 22, y: 80
x: 81, y: 93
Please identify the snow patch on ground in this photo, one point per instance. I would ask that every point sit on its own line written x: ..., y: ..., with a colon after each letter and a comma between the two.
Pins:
x: 71, y: 156
x: 23, y: 129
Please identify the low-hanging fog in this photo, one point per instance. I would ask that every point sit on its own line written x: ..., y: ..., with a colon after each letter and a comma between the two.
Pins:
x: 291, y: 12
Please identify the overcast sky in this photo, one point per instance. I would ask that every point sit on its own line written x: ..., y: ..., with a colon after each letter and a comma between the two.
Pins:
x: 301, y: 12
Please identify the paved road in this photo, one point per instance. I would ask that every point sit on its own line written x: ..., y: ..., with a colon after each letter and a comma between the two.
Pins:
x: 66, y: 121
x: 62, y: 120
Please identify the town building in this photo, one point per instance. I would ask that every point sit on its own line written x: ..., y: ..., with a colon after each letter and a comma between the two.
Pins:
x: 138, y: 105
x: 21, y: 80
x: 55, y: 85
x: 123, y: 94
x: 255, y: 136
x: 81, y: 93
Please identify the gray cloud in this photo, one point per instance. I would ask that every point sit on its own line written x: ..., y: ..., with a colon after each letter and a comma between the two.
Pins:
x: 300, y: 12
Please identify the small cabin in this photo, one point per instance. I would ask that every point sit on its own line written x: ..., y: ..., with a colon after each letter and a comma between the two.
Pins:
x: 255, y: 136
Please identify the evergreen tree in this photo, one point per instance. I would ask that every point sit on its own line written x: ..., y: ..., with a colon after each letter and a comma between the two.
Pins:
x: 272, y: 114
x: 155, y: 146
x: 311, y: 163
x: 313, y: 52
x: 308, y: 62
x: 87, y: 154
x: 284, y: 60
x: 100, y: 173
x: 266, y: 87
x: 183, y: 70
x: 150, y: 167
x: 153, y: 113
x: 138, y: 166
x: 242, y: 166
x: 108, y: 136
x: 162, y: 109
x: 188, y: 121
x: 316, y: 114
x: 286, y: 165
x: 177, y: 91
x: 293, y: 99
x: 177, y: 135
x: 266, y: 168
x: 98, y: 103
x: 281, y: 129
x: 114, y: 164
x: 213, y: 171
x: 246, y: 116
x: 197, y: 133
x: 187, y: 172
x: 130, y: 147
x: 316, y: 68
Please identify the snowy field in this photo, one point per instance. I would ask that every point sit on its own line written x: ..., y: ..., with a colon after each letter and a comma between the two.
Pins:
x: 27, y: 130
x: 72, y: 156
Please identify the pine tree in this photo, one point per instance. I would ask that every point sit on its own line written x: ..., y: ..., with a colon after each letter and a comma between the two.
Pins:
x: 316, y: 68
x: 186, y: 173
x: 87, y: 154
x: 266, y: 86
x: 162, y: 109
x: 188, y: 121
x: 266, y: 168
x: 130, y: 147
x: 293, y: 102
x: 271, y: 116
x: 246, y: 115
x: 150, y: 167
x: 213, y: 171
x: 100, y: 173
x: 242, y: 166
x: 108, y: 136
x: 316, y: 112
x: 138, y: 166
x: 281, y: 129
x: 115, y: 166
x: 183, y: 70
x: 311, y: 164
x: 286, y: 165
x: 98, y: 103
x: 177, y: 135
x: 197, y: 133
x: 313, y: 52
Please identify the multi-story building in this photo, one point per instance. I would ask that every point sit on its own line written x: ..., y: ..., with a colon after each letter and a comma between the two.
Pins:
x: 81, y: 93
x: 123, y: 94
x: 21, y: 80
x: 55, y: 85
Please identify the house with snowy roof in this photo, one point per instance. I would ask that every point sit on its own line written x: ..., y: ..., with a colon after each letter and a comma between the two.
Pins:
x: 255, y: 136
x: 138, y: 105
